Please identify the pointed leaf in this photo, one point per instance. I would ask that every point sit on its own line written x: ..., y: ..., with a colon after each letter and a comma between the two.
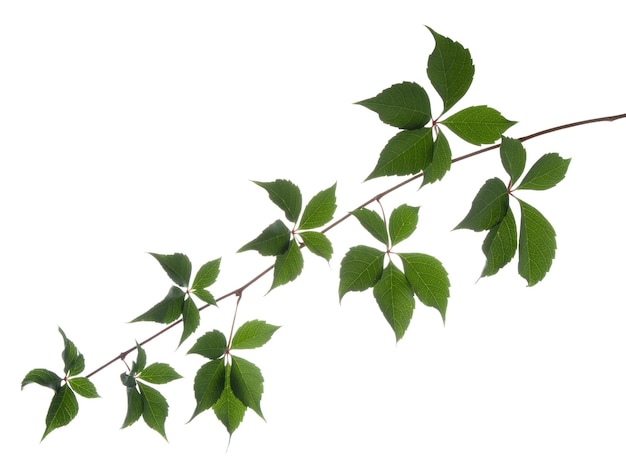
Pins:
x: 135, y: 407
x: 408, y: 152
x: 429, y: 280
x: 205, y: 296
x: 442, y: 160
x: 537, y: 245
x: 253, y: 334
x: 395, y: 299
x: 317, y: 243
x: 83, y: 386
x: 404, y: 105
x: 500, y: 244
x: 361, y: 268
x: 373, y: 223
x: 246, y: 381
x: 450, y: 70
x: 229, y: 409
x: 208, y: 385
x: 159, y: 373
x: 191, y: 319
x: 286, y: 195
x: 177, y: 266
x: 142, y: 358
x: 167, y: 310
x: 513, y: 156
x: 206, y: 275
x: 478, y: 124
x: 488, y: 207
x: 43, y: 377
x: 288, y: 265
x: 320, y: 209
x: 548, y: 171
x: 211, y: 345
x: 73, y: 360
x: 402, y: 223
x: 155, y: 408
x: 273, y: 241
x: 63, y: 409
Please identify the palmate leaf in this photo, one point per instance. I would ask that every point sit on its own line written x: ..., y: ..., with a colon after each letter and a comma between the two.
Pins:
x: 478, y: 124
x: 373, y: 223
x: 317, y: 243
x: 177, y: 266
x: 548, y: 171
x: 394, y: 296
x: 408, y: 152
x: 208, y: 385
x: 211, y: 345
x: 159, y: 373
x: 361, y: 268
x: 229, y: 409
x: 273, y: 241
x: 488, y: 207
x: 155, y: 408
x: 206, y: 275
x: 63, y: 409
x: 43, y: 377
x: 500, y: 244
x: 246, y: 382
x: 286, y: 195
x: 253, y: 334
x: 441, y: 162
x: 402, y: 223
x: 428, y: 279
x: 537, y: 245
x: 288, y: 266
x: 404, y: 105
x: 513, y: 156
x: 167, y: 310
x: 320, y: 209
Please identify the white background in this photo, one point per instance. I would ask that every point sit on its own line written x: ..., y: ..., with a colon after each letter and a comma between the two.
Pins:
x: 134, y: 127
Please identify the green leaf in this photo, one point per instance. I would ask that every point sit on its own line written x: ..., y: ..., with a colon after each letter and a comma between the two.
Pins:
x: 402, y: 223
x: 429, y: 280
x: 286, y: 195
x: 442, y: 160
x: 404, y: 105
x: 361, y: 268
x: 191, y: 319
x: 500, y: 244
x: 63, y: 409
x: 159, y: 373
x: 488, y: 207
x: 537, y: 245
x: 208, y: 385
x: 167, y: 310
x: 288, y: 266
x: 373, y: 223
x: 246, y: 381
x: 43, y: 377
x: 513, y: 156
x: 155, y: 408
x: 73, y: 360
x: 211, y: 345
x: 273, y: 241
x: 135, y: 407
x: 320, y: 209
x: 229, y: 409
x: 450, y: 70
x: 408, y: 152
x: 205, y: 296
x: 142, y: 358
x: 548, y: 171
x: 478, y: 124
x: 206, y: 275
x: 395, y: 299
x: 177, y: 266
x: 83, y: 386
x: 317, y: 243
x: 253, y: 334
x: 128, y: 380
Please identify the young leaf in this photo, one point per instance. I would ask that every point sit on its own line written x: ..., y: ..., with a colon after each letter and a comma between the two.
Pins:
x: 159, y: 373
x: 83, y: 386
x: 208, y: 385
x: 273, y: 241
x: 128, y: 380
x: 317, y: 243
x: 442, y: 160
x: 228, y: 408
x: 43, y: 377
x: 450, y: 70
x: 167, y: 310
x: 548, y: 171
x: 513, y: 156
x: 320, y: 209
x: 537, y: 245
x: 429, y: 280
x: 500, y: 244
x: 246, y: 382
x: 155, y: 408
x: 63, y: 409
x: 404, y: 105
x: 177, y: 266
x: 288, y: 265
x: 402, y: 223
x: 211, y: 345
x: 135, y: 407
x: 361, y: 268
x: 478, y: 124
x: 142, y: 358
x: 191, y: 319
x: 253, y: 334
x: 373, y: 223
x: 488, y: 207
x: 206, y: 275
x: 73, y: 360
x: 408, y: 152
x: 286, y: 195
x: 395, y: 299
